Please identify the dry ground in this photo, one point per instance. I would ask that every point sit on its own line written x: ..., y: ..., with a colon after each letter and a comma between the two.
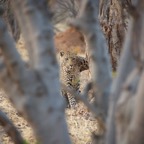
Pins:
x: 79, y: 122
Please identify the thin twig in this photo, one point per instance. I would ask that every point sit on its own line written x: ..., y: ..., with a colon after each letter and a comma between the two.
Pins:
x: 81, y: 97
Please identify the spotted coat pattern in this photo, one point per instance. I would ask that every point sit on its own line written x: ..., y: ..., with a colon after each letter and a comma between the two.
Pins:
x: 70, y: 67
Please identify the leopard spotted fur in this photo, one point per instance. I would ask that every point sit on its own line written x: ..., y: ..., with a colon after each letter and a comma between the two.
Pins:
x: 70, y: 67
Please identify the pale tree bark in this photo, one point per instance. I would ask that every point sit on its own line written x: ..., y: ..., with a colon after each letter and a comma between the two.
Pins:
x: 126, y: 74
x: 125, y: 67
x: 113, y: 17
x: 130, y: 128
x: 34, y: 91
x: 10, y: 19
x: 87, y: 22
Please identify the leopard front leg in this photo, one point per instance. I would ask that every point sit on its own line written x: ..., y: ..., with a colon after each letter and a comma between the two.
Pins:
x: 71, y: 101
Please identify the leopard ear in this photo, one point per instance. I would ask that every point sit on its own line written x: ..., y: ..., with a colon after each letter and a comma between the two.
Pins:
x: 61, y: 53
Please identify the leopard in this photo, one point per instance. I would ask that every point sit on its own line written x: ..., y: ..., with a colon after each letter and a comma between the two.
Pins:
x: 71, y: 65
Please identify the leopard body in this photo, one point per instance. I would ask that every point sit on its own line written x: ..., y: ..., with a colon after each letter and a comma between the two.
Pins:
x: 71, y: 65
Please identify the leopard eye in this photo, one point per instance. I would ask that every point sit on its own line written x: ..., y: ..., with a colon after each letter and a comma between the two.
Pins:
x: 73, y: 58
x: 66, y: 59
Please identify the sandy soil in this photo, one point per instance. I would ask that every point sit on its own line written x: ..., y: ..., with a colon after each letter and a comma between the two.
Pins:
x: 79, y: 122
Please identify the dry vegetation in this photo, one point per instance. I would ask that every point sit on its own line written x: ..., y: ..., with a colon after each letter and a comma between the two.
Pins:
x: 70, y: 40
x: 80, y: 122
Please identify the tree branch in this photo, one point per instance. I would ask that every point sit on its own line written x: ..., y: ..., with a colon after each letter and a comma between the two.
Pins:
x: 40, y: 41
x: 125, y: 109
x: 82, y: 97
x: 35, y: 90
x: 126, y: 65
x: 11, y: 56
x: 87, y: 22
x: 137, y: 123
x: 10, y: 129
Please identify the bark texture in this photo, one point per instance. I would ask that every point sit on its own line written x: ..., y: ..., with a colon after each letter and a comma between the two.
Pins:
x: 10, y: 19
x: 132, y: 97
x: 34, y: 91
x: 113, y: 18
x: 126, y: 65
x: 97, y: 53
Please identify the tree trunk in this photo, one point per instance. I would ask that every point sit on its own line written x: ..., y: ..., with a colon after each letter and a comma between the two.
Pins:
x: 112, y: 16
x: 126, y: 65
x: 34, y: 91
x: 88, y: 24
x: 10, y: 19
x: 130, y: 117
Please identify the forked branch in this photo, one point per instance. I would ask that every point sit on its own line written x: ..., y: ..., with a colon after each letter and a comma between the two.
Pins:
x: 87, y: 22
